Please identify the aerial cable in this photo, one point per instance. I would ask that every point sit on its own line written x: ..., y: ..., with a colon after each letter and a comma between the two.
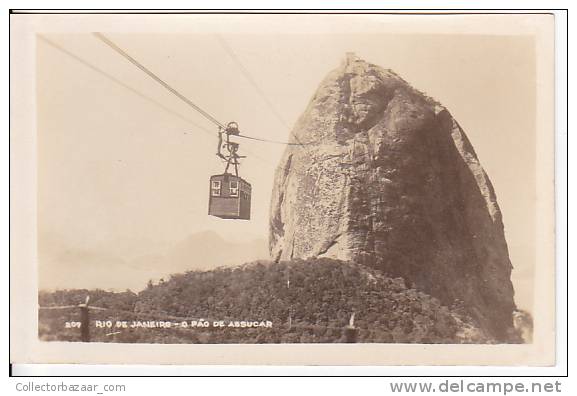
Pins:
x: 115, y: 80
x: 182, y: 97
x: 269, y: 141
x: 116, y: 48
x: 122, y: 84
x: 251, y: 80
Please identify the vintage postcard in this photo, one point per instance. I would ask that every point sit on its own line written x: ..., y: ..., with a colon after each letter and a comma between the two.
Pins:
x: 267, y: 188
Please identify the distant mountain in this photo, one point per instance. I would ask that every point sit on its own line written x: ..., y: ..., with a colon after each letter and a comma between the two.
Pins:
x: 208, y: 250
x: 72, y: 268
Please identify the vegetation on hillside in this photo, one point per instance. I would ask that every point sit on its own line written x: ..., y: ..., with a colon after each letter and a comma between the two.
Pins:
x: 305, y: 301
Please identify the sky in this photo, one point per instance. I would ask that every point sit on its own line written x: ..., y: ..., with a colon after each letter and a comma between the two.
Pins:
x: 124, y: 171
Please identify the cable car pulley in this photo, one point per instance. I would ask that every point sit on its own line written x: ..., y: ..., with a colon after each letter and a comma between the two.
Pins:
x: 231, y: 157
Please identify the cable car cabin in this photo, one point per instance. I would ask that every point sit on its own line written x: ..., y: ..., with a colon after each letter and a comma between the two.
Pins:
x: 229, y: 197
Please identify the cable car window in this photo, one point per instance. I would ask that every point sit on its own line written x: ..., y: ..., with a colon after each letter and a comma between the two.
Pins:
x: 234, y: 188
x: 215, y: 190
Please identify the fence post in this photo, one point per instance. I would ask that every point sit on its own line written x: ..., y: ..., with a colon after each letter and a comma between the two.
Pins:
x: 351, y: 331
x: 84, y: 321
x: 351, y: 334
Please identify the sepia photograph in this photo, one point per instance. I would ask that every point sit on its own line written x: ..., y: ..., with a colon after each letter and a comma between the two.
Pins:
x: 291, y: 179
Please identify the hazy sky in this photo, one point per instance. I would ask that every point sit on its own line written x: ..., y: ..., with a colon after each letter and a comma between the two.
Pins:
x: 118, y: 174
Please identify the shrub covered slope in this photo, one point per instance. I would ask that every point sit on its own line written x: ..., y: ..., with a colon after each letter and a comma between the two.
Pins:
x: 307, y: 301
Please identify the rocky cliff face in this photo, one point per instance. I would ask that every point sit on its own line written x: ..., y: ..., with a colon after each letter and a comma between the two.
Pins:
x: 387, y: 178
